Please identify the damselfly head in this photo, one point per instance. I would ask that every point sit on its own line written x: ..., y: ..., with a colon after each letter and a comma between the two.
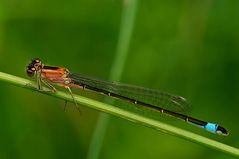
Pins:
x: 33, y: 67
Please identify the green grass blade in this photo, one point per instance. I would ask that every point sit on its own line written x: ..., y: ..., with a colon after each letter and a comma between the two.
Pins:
x: 110, y: 109
x: 125, y: 33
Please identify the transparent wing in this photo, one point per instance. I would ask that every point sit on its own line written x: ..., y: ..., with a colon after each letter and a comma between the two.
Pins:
x: 146, y: 95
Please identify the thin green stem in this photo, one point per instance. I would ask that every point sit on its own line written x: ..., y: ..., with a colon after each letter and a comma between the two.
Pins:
x: 125, y: 33
x: 110, y: 109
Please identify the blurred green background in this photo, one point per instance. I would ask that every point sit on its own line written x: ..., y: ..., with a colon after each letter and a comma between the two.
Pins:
x: 190, y: 48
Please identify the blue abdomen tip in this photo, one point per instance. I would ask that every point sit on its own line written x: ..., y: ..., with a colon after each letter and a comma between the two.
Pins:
x: 211, y: 127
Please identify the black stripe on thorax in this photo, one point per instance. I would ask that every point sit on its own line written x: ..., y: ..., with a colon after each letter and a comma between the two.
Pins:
x: 51, y: 67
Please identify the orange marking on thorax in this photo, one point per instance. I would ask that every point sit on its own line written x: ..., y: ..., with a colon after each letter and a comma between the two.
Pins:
x: 58, y: 73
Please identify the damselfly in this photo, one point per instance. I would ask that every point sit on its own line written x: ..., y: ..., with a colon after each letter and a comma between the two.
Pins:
x: 143, y: 97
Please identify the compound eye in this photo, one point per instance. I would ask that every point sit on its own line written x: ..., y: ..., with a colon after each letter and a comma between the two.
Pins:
x: 31, y: 72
